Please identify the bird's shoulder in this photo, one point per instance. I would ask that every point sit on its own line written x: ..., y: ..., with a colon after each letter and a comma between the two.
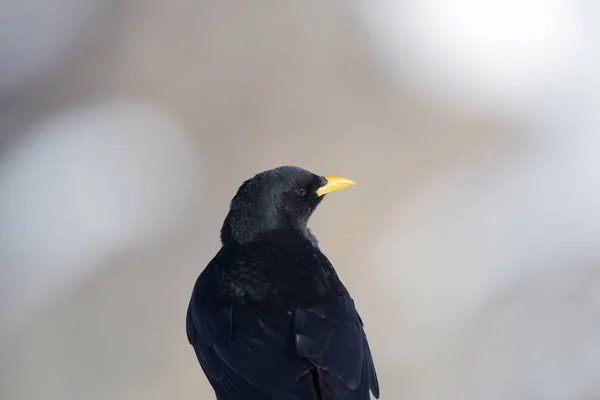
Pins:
x: 276, y: 272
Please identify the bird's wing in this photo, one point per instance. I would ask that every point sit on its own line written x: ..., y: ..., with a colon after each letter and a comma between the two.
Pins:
x: 247, y: 356
x: 309, y: 353
x: 331, y: 336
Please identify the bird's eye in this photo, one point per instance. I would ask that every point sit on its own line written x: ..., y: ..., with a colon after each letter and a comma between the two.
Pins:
x: 301, y: 192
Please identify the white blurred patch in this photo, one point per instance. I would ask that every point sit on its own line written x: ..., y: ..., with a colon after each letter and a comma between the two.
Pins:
x: 35, y: 34
x: 496, y: 270
x: 80, y: 186
x: 510, y: 57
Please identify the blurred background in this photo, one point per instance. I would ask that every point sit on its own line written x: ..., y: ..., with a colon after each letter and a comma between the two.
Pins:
x: 471, y: 244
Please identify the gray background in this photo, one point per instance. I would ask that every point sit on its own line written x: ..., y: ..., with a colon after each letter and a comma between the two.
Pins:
x: 470, y: 243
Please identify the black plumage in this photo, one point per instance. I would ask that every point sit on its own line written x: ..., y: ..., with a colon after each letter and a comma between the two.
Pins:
x: 269, y: 319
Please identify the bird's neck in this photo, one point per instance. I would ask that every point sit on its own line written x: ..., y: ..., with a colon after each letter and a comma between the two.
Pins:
x: 250, y: 226
x: 250, y: 230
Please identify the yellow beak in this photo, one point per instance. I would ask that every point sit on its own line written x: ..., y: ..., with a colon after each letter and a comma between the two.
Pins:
x: 334, y: 183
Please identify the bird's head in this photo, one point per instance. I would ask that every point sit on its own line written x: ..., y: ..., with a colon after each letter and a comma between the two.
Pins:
x: 277, y: 199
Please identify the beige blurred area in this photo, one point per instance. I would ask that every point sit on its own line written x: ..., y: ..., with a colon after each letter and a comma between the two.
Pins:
x: 470, y: 245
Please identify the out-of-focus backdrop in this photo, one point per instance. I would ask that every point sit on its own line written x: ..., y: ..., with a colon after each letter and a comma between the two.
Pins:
x: 471, y: 244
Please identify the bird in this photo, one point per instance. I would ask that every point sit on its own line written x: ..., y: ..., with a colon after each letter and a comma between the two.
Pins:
x: 268, y: 317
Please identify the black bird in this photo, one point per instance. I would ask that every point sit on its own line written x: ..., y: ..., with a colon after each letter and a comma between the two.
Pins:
x: 268, y: 318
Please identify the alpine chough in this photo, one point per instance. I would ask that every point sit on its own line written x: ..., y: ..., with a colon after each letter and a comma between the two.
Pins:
x: 269, y: 318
